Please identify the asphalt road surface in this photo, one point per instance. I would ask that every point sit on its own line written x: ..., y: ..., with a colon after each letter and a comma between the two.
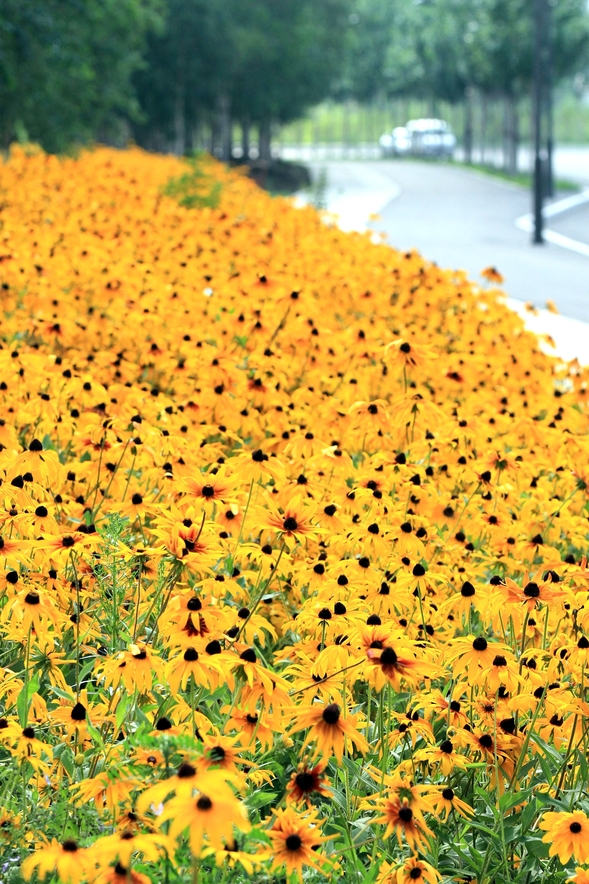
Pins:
x: 460, y: 218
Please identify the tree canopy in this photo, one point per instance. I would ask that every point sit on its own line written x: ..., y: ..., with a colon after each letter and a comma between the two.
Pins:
x: 76, y: 70
x: 66, y: 66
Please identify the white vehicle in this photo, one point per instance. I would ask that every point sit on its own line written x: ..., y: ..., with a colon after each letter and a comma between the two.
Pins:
x: 421, y: 138
x: 396, y: 143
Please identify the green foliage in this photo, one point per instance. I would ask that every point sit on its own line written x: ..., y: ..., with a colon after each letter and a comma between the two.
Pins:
x: 264, y: 61
x: 436, y: 48
x: 66, y: 65
x: 196, y: 189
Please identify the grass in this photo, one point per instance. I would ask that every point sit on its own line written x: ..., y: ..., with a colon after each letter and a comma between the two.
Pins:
x: 524, y: 179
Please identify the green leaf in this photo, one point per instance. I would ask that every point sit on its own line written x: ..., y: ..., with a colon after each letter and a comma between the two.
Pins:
x: 23, y: 702
x: 121, y: 712
x: 260, y: 799
x: 95, y: 734
x: 66, y: 756
x: 511, y: 799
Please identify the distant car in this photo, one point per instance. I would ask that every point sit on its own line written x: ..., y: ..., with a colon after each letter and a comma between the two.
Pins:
x: 396, y: 143
x: 421, y: 138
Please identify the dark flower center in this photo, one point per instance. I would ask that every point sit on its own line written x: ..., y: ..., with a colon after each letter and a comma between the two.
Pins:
x: 468, y: 589
x: 480, y: 643
x: 163, y: 724
x: 293, y: 842
x: 405, y: 814
x: 448, y: 794
x: 532, y: 590
x: 186, y: 771
x: 331, y: 714
x: 447, y: 747
x: 217, y: 753
x: 204, y: 803
x: 208, y: 491
x: 190, y: 655
x: 499, y: 660
x: 249, y: 655
x: 79, y: 712
x: 70, y: 845
x: 290, y: 524
x: 388, y: 657
x: 305, y: 781
x: 32, y: 598
x: 575, y: 828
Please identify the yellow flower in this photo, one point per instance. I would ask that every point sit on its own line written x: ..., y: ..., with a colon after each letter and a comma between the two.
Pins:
x: 212, y: 814
x: 568, y: 835
x: 295, y: 838
x: 71, y: 862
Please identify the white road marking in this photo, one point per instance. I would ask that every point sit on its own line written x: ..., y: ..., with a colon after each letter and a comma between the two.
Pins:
x: 367, y: 195
x: 526, y: 222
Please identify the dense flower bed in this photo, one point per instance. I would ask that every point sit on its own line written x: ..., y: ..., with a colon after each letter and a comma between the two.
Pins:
x: 293, y: 531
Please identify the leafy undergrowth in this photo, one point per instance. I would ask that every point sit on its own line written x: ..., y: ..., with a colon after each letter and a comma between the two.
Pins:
x: 292, y: 529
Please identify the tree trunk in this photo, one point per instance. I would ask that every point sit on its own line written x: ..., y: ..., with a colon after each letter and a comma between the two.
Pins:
x: 245, y: 137
x: 484, y: 115
x: 468, y: 101
x: 265, y: 140
x: 179, y: 124
x: 189, y: 139
x: 510, y: 135
x: 225, y: 127
x: 346, y: 139
x: 214, y: 137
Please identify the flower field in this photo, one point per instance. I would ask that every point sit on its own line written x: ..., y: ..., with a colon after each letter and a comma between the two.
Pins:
x: 293, y: 528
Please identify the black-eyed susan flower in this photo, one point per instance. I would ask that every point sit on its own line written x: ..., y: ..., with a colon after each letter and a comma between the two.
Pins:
x: 567, y: 833
x: 413, y: 869
x: 401, y: 819
x: 330, y: 728
x: 213, y: 813
x: 71, y: 862
x: 295, y: 839
x: 306, y: 781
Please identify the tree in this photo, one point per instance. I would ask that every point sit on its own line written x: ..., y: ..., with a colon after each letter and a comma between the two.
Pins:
x: 188, y: 66
x: 291, y: 53
x: 444, y: 50
x: 367, y: 71
x: 66, y: 66
x: 254, y: 61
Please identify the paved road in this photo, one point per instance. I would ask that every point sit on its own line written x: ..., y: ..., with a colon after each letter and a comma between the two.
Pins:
x: 463, y: 219
x: 574, y: 223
